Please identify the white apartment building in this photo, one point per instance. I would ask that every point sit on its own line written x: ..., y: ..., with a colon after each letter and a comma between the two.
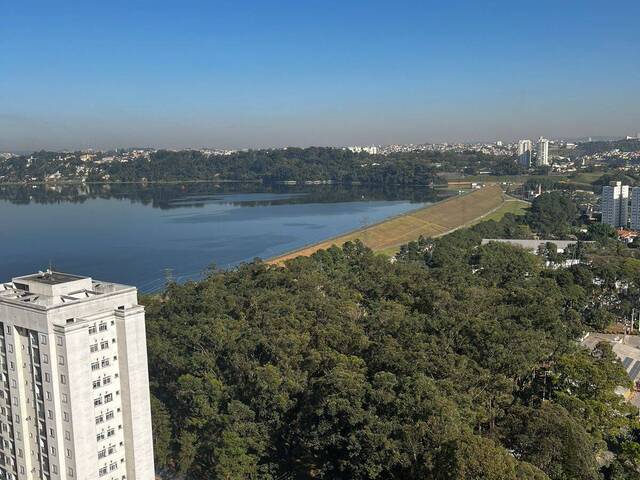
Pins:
x: 635, y: 208
x: 542, y: 152
x: 615, y: 204
x: 372, y: 150
x: 74, y: 395
x: 525, y: 148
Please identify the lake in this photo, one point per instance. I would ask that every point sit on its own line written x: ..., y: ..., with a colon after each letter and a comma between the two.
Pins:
x: 140, y: 234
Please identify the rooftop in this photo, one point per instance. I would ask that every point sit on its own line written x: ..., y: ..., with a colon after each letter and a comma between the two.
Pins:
x: 52, y: 278
x: 50, y: 288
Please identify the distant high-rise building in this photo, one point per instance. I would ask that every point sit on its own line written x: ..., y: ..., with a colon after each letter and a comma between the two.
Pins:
x: 635, y: 208
x: 542, y: 152
x: 75, y: 401
x: 615, y: 204
x: 524, y: 152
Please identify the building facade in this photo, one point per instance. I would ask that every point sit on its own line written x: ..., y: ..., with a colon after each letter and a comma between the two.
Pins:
x: 635, y: 208
x: 525, y: 148
x: 74, y: 402
x: 542, y: 152
x: 615, y: 205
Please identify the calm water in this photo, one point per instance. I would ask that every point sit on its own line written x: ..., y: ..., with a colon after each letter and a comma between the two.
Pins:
x: 132, y: 234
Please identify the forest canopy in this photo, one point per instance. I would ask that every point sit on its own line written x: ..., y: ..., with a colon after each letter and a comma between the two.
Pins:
x: 458, y: 361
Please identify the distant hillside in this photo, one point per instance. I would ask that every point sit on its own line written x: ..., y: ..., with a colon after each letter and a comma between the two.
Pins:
x: 315, y: 164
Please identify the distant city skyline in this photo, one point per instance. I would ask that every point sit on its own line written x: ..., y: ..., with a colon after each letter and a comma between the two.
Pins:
x: 251, y: 74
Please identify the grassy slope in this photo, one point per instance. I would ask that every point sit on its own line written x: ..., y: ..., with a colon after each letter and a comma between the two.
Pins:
x: 511, y: 205
x: 431, y: 221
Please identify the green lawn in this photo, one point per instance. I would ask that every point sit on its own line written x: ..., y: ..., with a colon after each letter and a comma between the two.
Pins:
x: 585, y: 178
x: 505, y: 178
x: 517, y: 207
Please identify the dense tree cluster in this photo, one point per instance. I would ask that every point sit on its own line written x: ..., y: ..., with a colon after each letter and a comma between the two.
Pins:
x: 458, y: 361
x: 276, y: 165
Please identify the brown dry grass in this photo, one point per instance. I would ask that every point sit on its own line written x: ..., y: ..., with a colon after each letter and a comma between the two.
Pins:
x: 431, y: 221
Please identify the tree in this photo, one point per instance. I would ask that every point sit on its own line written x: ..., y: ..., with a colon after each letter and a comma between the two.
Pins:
x: 161, y: 432
x: 549, y: 438
x: 552, y: 214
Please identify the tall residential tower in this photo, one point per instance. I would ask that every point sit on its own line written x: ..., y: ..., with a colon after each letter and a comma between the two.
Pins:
x: 524, y: 152
x: 615, y: 204
x: 635, y: 208
x: 74, y: 400
x: 542, y: 152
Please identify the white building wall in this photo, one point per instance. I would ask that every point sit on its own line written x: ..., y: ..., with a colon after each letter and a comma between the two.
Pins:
x: 132, y: 349
x: 542, y: 153
x: 615, y: 205
x: 64, y: 413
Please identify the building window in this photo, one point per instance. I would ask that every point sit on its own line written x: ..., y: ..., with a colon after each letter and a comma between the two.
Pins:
x: 99, y: 419
x: 45, y: 358
x: 95, y: 366
x: 111, y: 432
x: 105, y: 362
x: 67, y: 435
x: 92, y: 329
x: 47, y: 378
x: 97, y: 401
x: 106, y: 380
x: 64, y: 398
x: 108, y: 397
x: 102, y: 453
x: 43, y: 339
x: 54, y: 469
x: 63, y: 379
x: 52, y: 434
x: 96, y: 383
x: 93, y: 348
x: 109, y: 415
x: 70, y: 471
x: 102, y: 471
x: 48, y: 393
x: 59, y: 340
x: 113, y: 466
x: 102, y: 327
x: 65, y: 415
x: 60, y: 360
x: 100, y: 436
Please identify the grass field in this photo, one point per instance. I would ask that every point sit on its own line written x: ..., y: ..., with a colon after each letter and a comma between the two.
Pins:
x: 510, y: 205
x: 489, y: 179
x: 432, y: 221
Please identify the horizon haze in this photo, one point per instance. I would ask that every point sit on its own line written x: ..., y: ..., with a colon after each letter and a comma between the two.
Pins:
x: 250, y: 75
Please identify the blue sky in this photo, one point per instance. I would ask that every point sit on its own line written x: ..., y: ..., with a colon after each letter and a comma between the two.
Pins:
x: 274, y: 73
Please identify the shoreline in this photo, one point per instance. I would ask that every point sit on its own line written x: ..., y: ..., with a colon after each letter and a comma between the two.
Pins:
x: 429, y: 221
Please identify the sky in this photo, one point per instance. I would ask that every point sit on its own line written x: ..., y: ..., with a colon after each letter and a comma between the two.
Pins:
x: 239, y: 74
